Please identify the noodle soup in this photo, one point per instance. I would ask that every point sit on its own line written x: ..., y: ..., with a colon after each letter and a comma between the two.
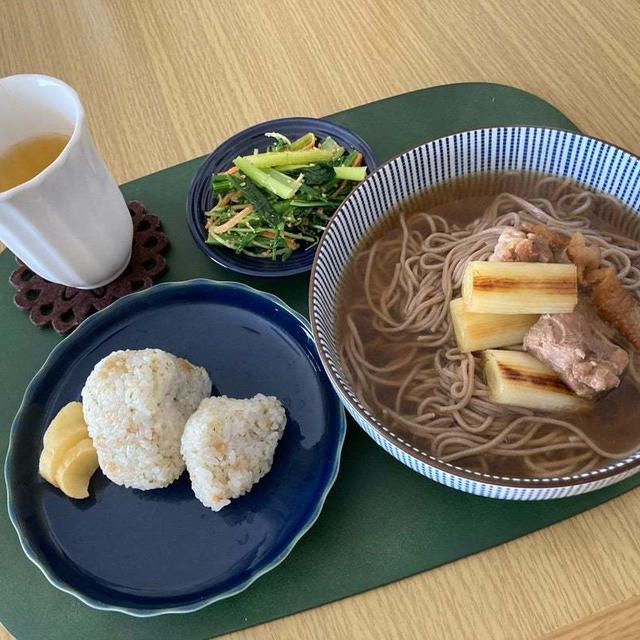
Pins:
x: 399, y: 352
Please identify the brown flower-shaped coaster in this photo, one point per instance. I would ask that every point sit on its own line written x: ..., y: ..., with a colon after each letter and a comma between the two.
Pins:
x: 64, y: 308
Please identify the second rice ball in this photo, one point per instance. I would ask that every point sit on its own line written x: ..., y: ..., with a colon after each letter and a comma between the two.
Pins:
x: 228, y: 445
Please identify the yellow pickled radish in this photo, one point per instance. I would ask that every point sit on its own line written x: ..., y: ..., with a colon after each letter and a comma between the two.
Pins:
x: 67, y: 451
x: 79, y: 464
x: 68, y: 417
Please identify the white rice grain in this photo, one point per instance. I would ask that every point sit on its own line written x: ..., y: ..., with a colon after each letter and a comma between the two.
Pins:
x: 136, y: 404
x: 228, y: 445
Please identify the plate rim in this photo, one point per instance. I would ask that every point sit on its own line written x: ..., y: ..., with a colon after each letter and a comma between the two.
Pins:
x: 87, y: 324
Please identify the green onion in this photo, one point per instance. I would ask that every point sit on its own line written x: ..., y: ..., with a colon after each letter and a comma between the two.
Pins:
x: 350, y: 173
x: 276, y: 158
x: 309, y: 203
x: 329, y: 144
x: 221, y: 183
x: 347, y: 161
x: 302, y: 141
x: 263, y: 179
x: 283, y: 179
x: 292, y: 167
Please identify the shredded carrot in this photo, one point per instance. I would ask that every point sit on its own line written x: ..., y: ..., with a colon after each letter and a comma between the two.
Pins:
x: 225, y: 200
x: 232, y: 222
x: 233, y: 169
x: 309, y: 145
x: 290, y: 242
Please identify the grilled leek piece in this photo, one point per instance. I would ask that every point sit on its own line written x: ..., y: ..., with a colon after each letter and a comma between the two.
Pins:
x: 477, y: 331
x: 519, y: 287
x: 517, y: 378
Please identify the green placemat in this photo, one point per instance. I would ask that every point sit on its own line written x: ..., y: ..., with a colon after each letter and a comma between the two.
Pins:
x: 382, y: 521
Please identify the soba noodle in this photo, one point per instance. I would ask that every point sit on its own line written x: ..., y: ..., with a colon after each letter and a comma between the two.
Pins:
x: 399, y: 353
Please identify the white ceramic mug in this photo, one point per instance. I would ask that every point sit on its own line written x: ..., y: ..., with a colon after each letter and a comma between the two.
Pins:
x: 69, y: 223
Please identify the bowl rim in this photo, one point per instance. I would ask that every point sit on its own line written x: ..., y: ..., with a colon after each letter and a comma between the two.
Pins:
x: 226, y: 258
x: 85, y: 327
x: 395, y: 440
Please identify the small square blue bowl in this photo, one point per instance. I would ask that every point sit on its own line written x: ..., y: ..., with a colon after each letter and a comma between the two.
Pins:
x: 201, y: 198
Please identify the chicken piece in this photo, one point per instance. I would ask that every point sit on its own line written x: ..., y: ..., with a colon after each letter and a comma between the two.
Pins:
x: 517, y: 246
x: 614, y: 304
x: 555, y: 239
x: 506, y: 239
x: 587, y: 362
x: 585, y: 258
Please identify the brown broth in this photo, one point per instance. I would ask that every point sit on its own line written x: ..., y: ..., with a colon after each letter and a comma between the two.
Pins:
x: 614, y: 423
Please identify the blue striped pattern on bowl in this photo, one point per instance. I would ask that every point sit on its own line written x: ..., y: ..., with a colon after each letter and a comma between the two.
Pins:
x: 589, y: 161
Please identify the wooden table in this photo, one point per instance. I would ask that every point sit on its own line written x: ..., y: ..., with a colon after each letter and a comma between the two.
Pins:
x: 163, y: 82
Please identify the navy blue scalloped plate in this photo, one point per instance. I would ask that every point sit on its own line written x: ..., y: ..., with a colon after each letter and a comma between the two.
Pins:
x: 201, y: 197
x: 150, y: 552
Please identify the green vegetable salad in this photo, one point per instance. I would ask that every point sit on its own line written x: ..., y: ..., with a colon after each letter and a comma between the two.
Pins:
x: 272, y: 203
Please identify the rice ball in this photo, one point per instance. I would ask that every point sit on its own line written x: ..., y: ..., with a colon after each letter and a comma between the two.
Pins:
x: 228, y: 445
x: 136, y: 404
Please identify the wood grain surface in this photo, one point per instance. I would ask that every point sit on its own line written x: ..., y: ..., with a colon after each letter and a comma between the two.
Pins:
x: 164, y: 81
